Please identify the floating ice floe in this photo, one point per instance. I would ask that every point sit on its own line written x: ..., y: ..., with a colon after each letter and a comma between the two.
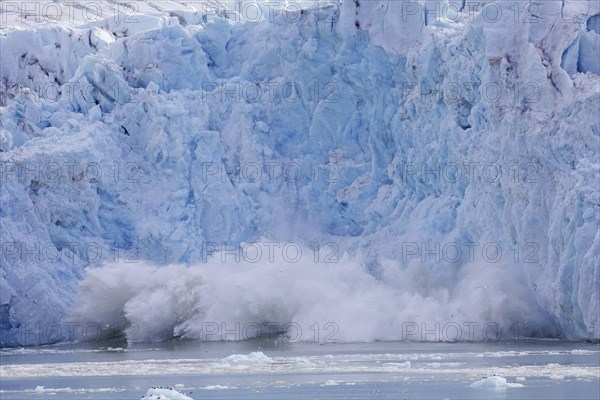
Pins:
x: 494, y: 382
x: 218, y: 387
x: 405, y: 364
x: 160, y: 393
x: 254, y: 357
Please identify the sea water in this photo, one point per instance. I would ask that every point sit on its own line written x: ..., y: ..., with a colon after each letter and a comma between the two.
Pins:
x: 276, y: 369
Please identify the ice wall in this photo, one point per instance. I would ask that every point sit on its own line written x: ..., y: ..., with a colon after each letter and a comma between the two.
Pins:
x: 387, y: 128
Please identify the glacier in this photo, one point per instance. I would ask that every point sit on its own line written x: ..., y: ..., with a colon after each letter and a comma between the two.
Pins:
x: 432, y: 161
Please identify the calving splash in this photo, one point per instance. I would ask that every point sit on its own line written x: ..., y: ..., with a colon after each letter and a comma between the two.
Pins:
x: 307, y: 301
x: 452, y: 159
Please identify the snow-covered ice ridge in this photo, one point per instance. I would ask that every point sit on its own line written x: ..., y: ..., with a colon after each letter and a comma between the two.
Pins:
x: 384, y: 128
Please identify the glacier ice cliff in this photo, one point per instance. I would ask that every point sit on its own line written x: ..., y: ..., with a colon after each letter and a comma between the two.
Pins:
x: 412, y: 137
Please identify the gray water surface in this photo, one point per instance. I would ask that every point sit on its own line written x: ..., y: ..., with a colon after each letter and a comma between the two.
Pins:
x: 280, y: 370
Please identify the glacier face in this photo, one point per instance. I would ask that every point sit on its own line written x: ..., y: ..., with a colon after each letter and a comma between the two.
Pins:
x: 415, y: 138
